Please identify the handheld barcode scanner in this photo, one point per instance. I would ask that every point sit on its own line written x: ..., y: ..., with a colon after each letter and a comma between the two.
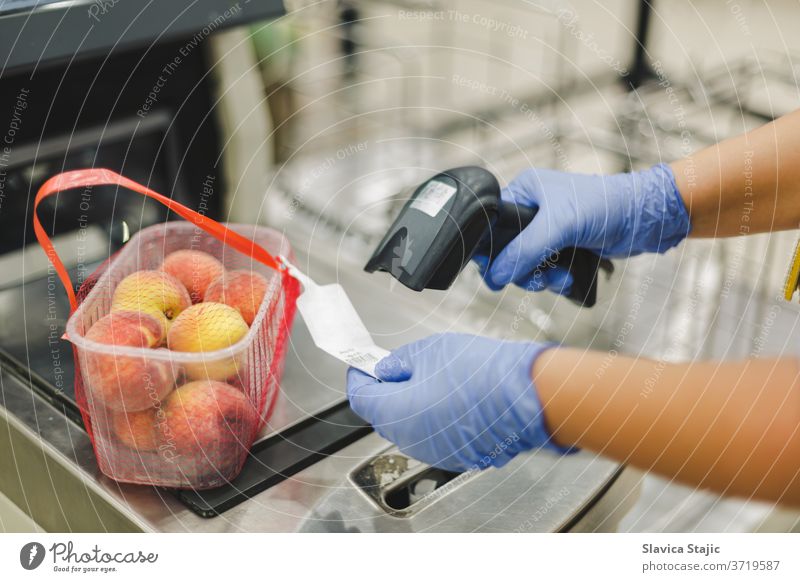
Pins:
x: 453, y: 216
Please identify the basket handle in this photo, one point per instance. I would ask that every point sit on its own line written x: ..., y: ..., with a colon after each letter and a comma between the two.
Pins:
x: 104, y: 177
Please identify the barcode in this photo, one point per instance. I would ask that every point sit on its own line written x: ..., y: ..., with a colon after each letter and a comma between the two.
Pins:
x: 356, y: 358
x: 433, y: 197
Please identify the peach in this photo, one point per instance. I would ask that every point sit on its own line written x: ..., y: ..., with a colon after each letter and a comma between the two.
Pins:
x: 154, y: 292
x: 207, y: 327
x: 242, y: 290
x: 127, y: 328
x: 195, y: 269
x: 126, y: 382
x: 136, y: 429
x: 209, y: 425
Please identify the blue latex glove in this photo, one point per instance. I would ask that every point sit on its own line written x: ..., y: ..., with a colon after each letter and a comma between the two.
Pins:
x: 621, y: 215
x: 455, y: 401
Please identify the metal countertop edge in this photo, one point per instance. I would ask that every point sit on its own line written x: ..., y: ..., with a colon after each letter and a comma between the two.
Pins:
x: 87, y: 480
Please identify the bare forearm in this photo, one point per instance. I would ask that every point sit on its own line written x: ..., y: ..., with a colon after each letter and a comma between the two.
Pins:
x: 746, y: 184
x: 732, y: 427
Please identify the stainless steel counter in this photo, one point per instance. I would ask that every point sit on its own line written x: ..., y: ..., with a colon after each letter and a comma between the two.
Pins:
x: 47, y: 465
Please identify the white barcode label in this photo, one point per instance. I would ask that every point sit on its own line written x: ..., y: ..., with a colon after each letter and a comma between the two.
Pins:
x: 335, y: 325
x: 433, y: 197
x: 364, y: 358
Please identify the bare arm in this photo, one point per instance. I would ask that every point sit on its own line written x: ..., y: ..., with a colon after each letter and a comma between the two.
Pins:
x: 733, y: 427
x: 746, y: 184
x: 730, y: 426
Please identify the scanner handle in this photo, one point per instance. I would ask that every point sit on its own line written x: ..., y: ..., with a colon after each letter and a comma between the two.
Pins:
x: 583, y: 264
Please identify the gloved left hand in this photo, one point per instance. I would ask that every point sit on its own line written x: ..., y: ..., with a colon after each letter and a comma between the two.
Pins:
x: 455, y: 401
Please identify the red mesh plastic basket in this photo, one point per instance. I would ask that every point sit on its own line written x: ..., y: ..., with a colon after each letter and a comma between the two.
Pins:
x: 156, y: 414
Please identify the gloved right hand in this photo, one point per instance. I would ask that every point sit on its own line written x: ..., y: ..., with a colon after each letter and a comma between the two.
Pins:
x: 621, y: 215
x: 456, y: 401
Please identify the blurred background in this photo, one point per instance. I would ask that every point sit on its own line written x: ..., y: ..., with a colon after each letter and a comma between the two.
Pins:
x: 320, y: 122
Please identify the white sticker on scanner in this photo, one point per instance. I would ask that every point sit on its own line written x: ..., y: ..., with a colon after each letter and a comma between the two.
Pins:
x: 433, y: 197
x: 334, y: 323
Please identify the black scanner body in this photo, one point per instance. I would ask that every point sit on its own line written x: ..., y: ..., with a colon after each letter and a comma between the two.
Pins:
x: 452, y: 217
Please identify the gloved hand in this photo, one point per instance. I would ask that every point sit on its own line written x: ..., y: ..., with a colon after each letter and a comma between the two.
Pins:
x: 621, y: 215
x: 455, y: 401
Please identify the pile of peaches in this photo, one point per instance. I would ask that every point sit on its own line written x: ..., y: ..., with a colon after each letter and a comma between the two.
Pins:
x: 190, y: 304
